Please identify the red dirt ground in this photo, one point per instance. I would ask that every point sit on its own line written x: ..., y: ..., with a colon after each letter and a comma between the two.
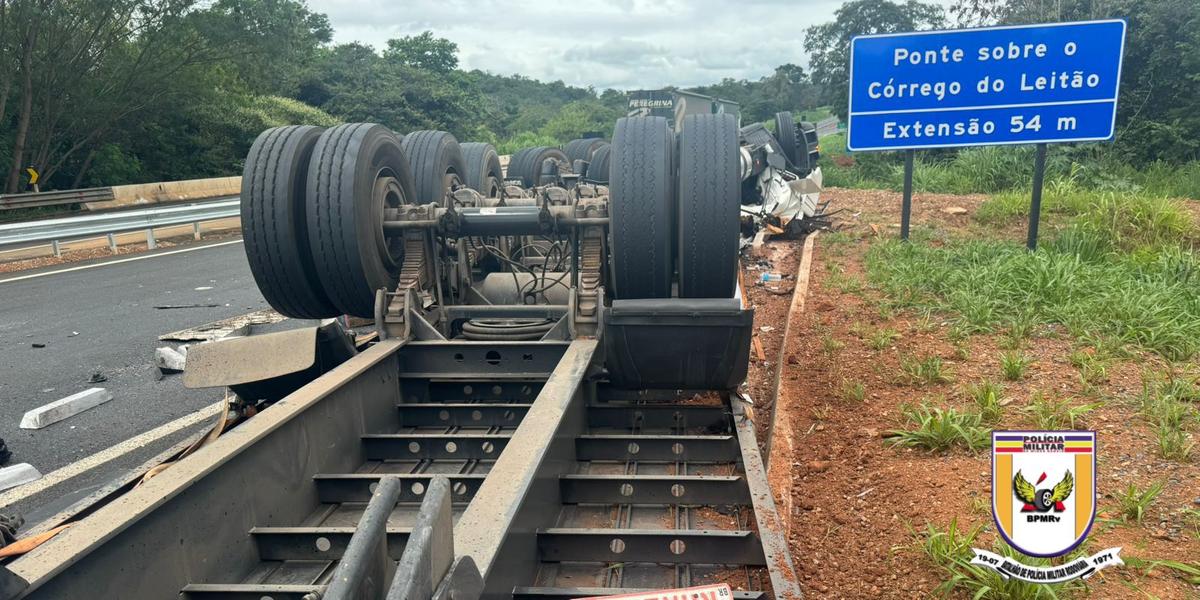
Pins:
x: 857, y: 501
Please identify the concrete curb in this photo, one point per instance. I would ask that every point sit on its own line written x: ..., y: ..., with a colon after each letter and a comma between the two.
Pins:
x: 65, y: 408
x: 19, y: 474
x: 782, y: 441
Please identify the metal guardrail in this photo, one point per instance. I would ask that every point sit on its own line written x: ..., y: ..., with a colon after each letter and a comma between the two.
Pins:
x: 35, y: 199
x: 54, y: 230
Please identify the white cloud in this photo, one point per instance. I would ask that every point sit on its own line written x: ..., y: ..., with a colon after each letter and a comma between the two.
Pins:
x: 602, y: 43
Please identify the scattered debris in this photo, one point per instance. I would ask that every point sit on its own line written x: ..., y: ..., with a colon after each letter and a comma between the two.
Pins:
x: 174, y: 306
x: 759, y: 353
x: 9, y: 525
x: 64, y: 408
x: 20, y: 474
x: 203, y: 288
x: 954, y: 210
x: 222, y: 328
x: 169, y: 360
x: 5, y: 453
x: 73, y: 334
x: 97, y: 377
x: 38, y: 345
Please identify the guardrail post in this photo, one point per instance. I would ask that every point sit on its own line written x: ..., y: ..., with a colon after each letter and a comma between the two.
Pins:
x: 196, y: 230
x: 150, y: 245
x: 55, y: 248
x: 112, y: 243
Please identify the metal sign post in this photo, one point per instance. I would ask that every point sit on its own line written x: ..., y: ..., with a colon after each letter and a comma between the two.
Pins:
x: 1025, y: 84
x: 1035, y: 206
x: 906, y: 204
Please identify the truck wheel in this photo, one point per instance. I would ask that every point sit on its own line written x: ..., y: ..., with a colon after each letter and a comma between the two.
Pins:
x: 483, y: 168
x: 436, y: 164
x: 785, y: 132
x: 710, y: 188
x: 641, y: 207
x: 597, y: 170
x: 274, y: 222
x: 357, y: 170
x: 526, y: 164
x: 582, y: 149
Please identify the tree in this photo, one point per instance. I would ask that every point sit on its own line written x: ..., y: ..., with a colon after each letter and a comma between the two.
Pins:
x: 579, y: 118
x: 829, y: 43
x: 269, y: 42
x: 424, y: 52
x: 1158, y: 116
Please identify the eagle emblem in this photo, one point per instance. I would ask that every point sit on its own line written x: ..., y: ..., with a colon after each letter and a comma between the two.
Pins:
x: 1044, y: 499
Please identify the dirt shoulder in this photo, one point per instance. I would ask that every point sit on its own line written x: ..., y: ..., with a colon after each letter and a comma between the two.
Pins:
x: 858, y: 501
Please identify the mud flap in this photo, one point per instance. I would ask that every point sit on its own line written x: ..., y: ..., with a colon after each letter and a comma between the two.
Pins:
x: 268, y: 366
x: 677, y: 343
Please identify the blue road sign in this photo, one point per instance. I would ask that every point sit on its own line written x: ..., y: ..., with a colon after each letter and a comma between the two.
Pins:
x: 997, y: 85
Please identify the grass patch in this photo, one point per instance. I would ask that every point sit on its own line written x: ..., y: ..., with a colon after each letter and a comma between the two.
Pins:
x: 1167, y: 403
x: 941, y: 429
x: 993, y: 169
x: 1055, y: 413
x: 988, y: 398
x: 1145, y: 299
x: 1013, y: 365
x: 854, y: 390
x: 924, y: 371
x: 882, y: 338
x: 829, y: 345
x: 1189, y: 571
x: 1133, y: 502
x: 949, y: 550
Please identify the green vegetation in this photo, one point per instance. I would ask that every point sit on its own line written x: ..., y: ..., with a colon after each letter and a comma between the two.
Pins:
x: 1057, y: 413
x: 1168, y: 405
x: 988, y: 398
x: 882, y: 338
x: 949, y: 550
x: 155, y: 90
x: 1119, y: 270
x: 1157, y: 146
x: 1133, y: 502
x: 854, y: 390
x: 1013, y: 364
x: 923, y: 371
x: 941, y: 429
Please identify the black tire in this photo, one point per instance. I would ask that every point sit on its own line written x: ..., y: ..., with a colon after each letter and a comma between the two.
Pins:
x: 710, y: 196
x: 785, y: 132
x: 526, y: 165
x: 641, y: 192
x: 582, y: 149
x: 597, y: 170
x: 356, y: 169
x: 483, y: 168
x: 275, y: 225
x: 436, y: 164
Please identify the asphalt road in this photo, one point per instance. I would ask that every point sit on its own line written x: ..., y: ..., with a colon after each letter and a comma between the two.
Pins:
x: 103, y: 319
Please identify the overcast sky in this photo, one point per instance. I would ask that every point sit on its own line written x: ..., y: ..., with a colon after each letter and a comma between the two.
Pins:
x: 621, y: 44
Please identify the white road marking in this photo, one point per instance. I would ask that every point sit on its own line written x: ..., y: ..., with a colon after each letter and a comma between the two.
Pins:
x: 119, y: 261
x: 108, y: 455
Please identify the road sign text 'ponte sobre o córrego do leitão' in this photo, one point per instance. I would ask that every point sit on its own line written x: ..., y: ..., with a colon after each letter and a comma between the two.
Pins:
x: 997, y: 85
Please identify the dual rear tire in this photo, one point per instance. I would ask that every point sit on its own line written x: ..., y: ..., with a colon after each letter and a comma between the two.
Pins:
x: 313, y: 206
x: 674, y: 207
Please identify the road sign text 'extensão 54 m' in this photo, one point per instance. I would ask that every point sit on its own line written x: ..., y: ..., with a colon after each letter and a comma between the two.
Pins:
x: 997, y: 85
